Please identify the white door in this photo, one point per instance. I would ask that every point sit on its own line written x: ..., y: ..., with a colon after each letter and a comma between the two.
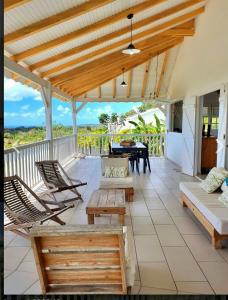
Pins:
x: 189, y: 134
x: 222, y: 149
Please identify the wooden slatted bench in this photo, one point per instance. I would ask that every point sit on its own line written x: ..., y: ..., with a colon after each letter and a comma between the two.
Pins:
x: 82, y: 259
x: 110, y: 201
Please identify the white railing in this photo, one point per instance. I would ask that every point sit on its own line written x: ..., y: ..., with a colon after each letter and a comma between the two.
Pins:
x: 21, y: 160
x: 96, y: 144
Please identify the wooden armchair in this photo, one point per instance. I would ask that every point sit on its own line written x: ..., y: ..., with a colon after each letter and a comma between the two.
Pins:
x: 57, y: 180
x: 83, y: 259
x: 21, y: 211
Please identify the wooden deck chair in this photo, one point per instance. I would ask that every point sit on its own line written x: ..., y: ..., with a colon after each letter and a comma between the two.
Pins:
x: 21, y: 212
x: 57, y: 180
x: 83, y: 259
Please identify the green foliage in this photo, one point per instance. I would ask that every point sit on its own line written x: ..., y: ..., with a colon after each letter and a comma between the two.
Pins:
x: 104, y: 119
x: 142, y: 127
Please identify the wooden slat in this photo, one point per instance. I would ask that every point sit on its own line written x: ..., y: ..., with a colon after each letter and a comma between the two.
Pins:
x: 129, y: 82
x: 145, y: 78
x: 88, y: 29
x: 113, y: 289
x: 81, y: 259
x: 162, y: 74
x: 110, y: 36
x: 10, y: 4
x: 59, y: 18
x: 115, y: 70
x: 73, y: 242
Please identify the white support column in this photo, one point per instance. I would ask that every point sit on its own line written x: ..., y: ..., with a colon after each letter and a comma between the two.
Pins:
x: 167, y: 126
x: 74, y: 125
x: 46, y: 93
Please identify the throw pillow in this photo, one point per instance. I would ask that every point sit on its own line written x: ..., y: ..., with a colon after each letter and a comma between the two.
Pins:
x: 117, y: 172
x: 214, y: 179
x: 224, y: 198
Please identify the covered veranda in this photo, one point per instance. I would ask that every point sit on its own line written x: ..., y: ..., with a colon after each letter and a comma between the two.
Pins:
x: 72, y: 51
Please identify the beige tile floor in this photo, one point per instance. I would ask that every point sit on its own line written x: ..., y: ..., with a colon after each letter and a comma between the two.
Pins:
x: 174, y: 254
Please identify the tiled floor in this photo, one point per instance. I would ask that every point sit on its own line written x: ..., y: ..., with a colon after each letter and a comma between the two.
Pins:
x: 174, y: 253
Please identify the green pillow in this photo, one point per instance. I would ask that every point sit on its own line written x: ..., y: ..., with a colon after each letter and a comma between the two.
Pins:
x: 214, y: 179
x: 117, y: 172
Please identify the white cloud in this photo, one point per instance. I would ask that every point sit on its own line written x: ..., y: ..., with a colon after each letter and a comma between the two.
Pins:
x: 15, y: 91
x: 12, y: 114
x: 63, y: 110
x: 25, y: 107
x: 107, y: 110
x: 40, y: 111
x: 28, y: 115
x: 88, y: 109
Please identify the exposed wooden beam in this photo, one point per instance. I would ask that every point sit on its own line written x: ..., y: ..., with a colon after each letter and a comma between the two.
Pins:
x: 106, y: 60
x: 129, y: 82
x: 162, y: 74
x: 145, y: 78
x: 78, y: 88
x: 114, y: 88
x: 10, y: 4
x: 59, y: 18
x: 86, y: 30
x: 111, y: 36
x: 83, y: 58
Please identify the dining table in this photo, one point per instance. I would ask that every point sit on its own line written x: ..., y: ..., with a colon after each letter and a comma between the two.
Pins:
x: 134, y: 149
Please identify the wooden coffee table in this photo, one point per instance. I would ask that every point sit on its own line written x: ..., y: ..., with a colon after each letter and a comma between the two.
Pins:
x: 110, y: 201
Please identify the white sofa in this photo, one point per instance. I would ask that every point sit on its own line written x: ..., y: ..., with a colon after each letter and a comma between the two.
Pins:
x: 211, y: 212
x: 125, y: 183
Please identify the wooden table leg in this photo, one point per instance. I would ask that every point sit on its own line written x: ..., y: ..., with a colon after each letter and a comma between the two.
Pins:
x: 121, y: 219
x: 90, y: 218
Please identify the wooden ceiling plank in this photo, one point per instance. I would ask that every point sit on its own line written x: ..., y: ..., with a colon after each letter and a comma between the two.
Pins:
x: 116, y: 70
x: 145, y: 78
x: 10, y: 4
x: 162, y: 74
x: 86, y: 30
x: 129, y: 82
x: 110, y: 36
x: 104, y: 61
x: 54, y: 20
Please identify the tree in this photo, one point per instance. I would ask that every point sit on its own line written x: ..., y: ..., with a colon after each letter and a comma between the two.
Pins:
x: 114, y: 118
x: 104, y: 119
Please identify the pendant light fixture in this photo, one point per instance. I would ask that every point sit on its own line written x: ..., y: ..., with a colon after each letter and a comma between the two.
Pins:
x: 131, y: 48
x: 123, y: 83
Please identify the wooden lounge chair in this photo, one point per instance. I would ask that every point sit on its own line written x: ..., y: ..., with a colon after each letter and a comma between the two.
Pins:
x: 20, y: 210
x: 57, y: 180
x: 84, y: 259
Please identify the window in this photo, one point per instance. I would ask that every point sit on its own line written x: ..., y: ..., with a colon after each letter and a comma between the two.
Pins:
x: 177, y: 116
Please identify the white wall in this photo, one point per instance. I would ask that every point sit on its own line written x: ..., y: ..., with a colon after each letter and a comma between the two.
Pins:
x: 174, y: 142
x: 201, y: 67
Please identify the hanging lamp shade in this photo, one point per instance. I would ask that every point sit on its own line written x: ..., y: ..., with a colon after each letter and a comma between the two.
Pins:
x: 131, y: 48
x: 123, y: 83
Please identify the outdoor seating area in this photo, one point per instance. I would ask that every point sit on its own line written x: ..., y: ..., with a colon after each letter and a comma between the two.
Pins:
x: 115, y: 147
x: 161, y: 229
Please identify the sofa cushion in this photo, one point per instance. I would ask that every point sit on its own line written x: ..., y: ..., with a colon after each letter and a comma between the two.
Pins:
x: 224, y: 198
x: 130, y: 256
x: 116, y: 183
x: 113, y: 162
x: 115, y: 172
x: 214, y: 179
x: 208, y: 204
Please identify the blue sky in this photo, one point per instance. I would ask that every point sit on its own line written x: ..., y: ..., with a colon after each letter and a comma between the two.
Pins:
x: 23, y: 106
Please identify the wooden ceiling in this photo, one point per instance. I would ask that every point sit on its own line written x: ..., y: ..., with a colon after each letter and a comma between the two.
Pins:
x: 78, y: 48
